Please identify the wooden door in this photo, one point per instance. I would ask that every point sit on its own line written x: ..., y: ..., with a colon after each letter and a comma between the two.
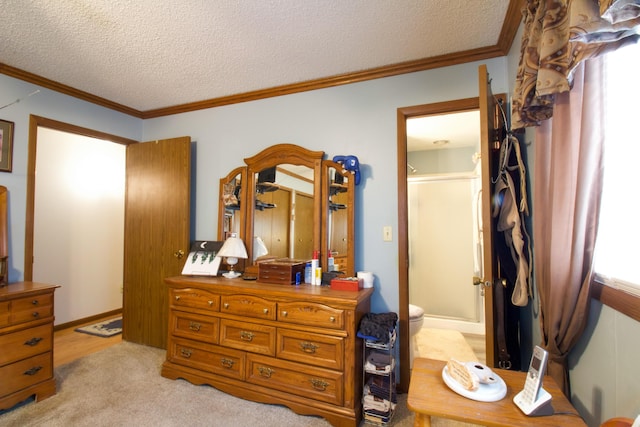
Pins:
x: 489, y: 142
x: 157, y: 215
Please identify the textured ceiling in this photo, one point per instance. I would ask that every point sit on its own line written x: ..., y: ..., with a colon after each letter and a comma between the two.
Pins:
x: 148, y: 54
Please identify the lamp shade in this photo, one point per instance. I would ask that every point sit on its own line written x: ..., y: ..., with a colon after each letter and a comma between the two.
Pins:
x: 234, y: 248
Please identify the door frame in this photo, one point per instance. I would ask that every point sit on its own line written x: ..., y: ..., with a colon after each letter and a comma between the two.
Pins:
x: 34, y: 123
x: 455, y: 106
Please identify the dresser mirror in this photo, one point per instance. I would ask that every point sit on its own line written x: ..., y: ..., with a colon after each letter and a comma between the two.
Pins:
x: 287, y: 202
x: 283, y: 213
x: 338, y: 216
x: 231, y: 203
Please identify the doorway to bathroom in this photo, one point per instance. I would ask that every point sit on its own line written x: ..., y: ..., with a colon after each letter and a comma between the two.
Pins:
x: 444, y: 226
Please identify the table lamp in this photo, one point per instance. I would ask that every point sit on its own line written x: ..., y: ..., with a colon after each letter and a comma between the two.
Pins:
x: 232, y: 249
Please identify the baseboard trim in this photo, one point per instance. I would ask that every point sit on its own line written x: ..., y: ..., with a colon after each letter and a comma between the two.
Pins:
x: 89, y: 319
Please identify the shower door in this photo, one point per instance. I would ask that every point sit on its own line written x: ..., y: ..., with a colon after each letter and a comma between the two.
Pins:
x: 444, y: 246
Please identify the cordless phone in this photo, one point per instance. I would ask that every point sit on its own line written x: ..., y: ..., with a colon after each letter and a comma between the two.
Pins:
x: 533, y: 400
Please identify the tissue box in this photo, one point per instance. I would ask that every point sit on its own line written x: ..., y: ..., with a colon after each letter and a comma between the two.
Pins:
x: 347, y: 284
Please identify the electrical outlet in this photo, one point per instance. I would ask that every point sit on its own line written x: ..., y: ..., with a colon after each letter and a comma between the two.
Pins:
x: 387, y: 235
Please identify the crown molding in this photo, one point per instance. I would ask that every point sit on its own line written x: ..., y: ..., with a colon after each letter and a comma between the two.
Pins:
x: 507, y: 35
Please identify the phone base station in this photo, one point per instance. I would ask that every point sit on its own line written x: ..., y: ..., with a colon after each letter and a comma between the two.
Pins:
x: 541, y: 407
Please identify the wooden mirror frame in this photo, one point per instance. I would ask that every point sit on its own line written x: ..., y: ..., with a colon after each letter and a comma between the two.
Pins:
x: 349, y: 186
x: 242, y: 198
x: 4, y: 238
x: 277, y: 155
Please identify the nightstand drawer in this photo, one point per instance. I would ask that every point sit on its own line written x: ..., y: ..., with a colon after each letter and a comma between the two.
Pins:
x: 210, y: 358
x: 249, y: 305
x: 311, y: 314
x: 248, y: 337
x: 26, y: 343
x: 194, y: 326
x: 315, y: 383
x: 25, y: 373
x: 314, y: 349
x: 194, y: 299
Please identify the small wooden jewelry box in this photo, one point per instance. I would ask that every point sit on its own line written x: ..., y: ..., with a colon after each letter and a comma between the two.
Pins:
x: 282, y: 271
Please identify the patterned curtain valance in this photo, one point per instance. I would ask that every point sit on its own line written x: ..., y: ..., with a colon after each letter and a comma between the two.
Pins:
x: 558, y: 35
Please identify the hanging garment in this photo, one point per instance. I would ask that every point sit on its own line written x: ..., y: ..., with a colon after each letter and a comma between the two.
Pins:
x: 509, y: 212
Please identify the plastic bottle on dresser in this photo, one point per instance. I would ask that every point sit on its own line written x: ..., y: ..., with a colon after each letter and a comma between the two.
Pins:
x: 315, y: 265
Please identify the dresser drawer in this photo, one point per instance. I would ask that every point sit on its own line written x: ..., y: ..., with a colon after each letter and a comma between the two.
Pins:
x: 249, y: 305
x: 195, y: 299
x: 315, y: 383
x: 312, y: 314
x: 314, y: 349
x: 22, y: 344
x: 4, y: 313
x: 30, y: 313
x: 194, y: 326
x: 25, y: 373
x: 28, y: 303
x: 248, y: 336
x: 210, y: 358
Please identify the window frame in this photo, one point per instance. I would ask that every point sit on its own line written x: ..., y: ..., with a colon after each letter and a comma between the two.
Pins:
x: 621, y: 301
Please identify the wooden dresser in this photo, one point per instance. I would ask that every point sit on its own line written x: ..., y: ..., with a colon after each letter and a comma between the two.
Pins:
x: 26, y: 340
x: 280, y: 344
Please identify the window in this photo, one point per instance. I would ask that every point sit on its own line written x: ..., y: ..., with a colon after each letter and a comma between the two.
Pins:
x: 617, y: 261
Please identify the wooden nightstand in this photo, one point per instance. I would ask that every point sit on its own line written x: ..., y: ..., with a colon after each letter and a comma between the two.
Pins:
x: 26, y: 339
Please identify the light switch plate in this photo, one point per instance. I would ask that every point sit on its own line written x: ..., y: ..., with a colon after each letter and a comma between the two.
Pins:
x: 387, y: 234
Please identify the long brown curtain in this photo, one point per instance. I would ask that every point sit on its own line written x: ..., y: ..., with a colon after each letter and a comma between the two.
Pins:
x: 566, y: 200
x: 559, y: 89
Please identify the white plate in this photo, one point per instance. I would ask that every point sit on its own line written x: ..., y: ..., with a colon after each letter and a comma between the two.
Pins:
x: 484, y: 393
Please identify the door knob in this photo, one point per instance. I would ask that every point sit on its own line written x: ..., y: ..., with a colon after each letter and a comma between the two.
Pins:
x: 178, y: 254
x: 477, y: 281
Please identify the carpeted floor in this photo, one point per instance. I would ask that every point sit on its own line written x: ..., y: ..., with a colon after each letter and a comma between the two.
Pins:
x: 122, y: 386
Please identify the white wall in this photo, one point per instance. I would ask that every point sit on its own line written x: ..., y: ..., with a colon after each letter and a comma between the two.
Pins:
x: 358, y: 119
x: 79, y: 222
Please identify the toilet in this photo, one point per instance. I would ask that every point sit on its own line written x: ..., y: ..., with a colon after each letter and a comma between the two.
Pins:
x: 416, y: 319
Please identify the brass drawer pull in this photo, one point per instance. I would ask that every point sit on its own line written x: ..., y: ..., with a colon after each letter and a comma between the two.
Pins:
x: 185, y: 352
x: 35, y: 302
x: 195, y: 326
x: 36, y: 314
x: 265, y: 310
x: 319, y: 384
x: 226, y: 305
x: 177, y: 297
x: 210, y: 303
x: 265, y: 372
x: 33, y: 342
x: 308, y: 347
x: 32, y: 371
x: 226, y: 363
x: 246, y: 335
x: 284, y: 314
x: 332, y: 319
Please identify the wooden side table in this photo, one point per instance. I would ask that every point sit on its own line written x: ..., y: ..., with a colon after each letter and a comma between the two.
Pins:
x: 430, y: 396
